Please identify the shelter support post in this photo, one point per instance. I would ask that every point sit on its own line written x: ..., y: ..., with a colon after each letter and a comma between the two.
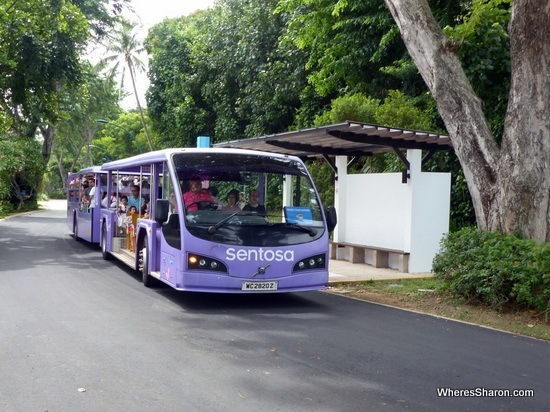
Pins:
x: 341, y: 163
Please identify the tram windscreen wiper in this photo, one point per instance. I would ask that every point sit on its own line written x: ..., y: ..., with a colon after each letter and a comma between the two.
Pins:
x: 212, y: 229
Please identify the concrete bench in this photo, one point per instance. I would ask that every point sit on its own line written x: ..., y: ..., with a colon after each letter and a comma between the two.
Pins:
x: 380, y: 256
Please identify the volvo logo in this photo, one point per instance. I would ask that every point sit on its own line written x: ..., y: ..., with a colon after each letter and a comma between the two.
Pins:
x: 261, y: 270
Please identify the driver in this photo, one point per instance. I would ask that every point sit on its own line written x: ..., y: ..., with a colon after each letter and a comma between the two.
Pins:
x: 195, y: 194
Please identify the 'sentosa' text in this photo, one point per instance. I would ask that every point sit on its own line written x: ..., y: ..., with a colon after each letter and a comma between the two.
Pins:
x: 260, y: 255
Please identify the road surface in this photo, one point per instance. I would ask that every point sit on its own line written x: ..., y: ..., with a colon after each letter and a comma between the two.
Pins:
x: 81, y: 334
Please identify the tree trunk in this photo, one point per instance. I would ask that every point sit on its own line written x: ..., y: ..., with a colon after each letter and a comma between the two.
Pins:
x: 62, y: 172
x: 47, y: 132
x: 132, y: 76
x: 509, y: 185
x: 524, y: 190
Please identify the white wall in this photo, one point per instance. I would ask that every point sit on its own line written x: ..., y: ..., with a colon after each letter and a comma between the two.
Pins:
x: 430, y: 218
x: 379, y: 210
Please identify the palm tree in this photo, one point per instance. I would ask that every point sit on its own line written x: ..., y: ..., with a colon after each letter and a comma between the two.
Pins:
x: 126, y: 48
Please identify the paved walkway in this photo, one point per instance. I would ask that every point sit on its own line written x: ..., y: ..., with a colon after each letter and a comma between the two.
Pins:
x: 343, y: 271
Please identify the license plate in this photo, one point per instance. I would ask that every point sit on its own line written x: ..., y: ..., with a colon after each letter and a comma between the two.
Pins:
x: 260, y: 285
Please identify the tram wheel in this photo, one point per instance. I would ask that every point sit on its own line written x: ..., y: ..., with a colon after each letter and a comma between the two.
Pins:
x: 148, y: 280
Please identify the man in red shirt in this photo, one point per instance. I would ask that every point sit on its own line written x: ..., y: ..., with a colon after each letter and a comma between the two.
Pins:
x: 195, y: 194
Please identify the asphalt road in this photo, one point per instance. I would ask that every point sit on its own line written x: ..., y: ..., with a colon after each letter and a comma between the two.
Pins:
x: 81, y: 334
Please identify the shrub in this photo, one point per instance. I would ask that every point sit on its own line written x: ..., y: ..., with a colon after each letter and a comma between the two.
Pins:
x: 6, y: 209
x: 495, y: 269
x: 21, y: 169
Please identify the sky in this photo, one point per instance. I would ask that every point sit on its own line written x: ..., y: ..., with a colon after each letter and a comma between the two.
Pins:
x: 149, y: 13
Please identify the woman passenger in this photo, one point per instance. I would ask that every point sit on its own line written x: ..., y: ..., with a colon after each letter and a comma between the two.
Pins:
x: 231, y: 199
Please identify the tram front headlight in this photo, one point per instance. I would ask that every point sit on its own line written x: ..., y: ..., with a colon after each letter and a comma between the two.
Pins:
x: 199, y: 262
x: 312, y: 262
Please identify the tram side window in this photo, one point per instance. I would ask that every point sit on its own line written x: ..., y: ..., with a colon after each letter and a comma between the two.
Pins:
x: 304, y: 196
x: 85, y: 189
x: 74, y: 189
x: 171, y: 228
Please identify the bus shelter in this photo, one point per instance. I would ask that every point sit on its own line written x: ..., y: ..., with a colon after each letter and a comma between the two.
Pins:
x: 391, y: 220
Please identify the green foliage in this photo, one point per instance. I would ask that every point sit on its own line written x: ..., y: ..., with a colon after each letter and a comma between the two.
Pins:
x: 95, y: 97
x: 352, y: 46
x: 323, y: 177
x: 222, y: 73
x: 122, y: 137
x: 485, y: 53
x: 399, y: 110
x: 495, y: 269
x: 174, y: 97
x: 6, y: 123
x: 356, y: 107
x: 41, y: 42
x: 41, y: 66
x: 21, y: 169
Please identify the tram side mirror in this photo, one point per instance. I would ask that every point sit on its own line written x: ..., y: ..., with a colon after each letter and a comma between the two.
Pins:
x: 161, y: 210
x: 331, y: 218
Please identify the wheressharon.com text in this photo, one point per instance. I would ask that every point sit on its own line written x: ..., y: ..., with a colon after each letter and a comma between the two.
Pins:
x: 485, y: 393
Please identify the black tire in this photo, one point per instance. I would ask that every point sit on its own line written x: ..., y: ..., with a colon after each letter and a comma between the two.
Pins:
x: 106, y: 255
x: 148, y: 280
x: 75, y: 229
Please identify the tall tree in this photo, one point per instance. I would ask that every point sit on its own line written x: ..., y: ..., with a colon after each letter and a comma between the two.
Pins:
x: 94, y: 98
x: 178, y: 110
x: 123, y: 135
x: 510, y: 182
x: 223, y: 72
x: 126, y: 48
x: 41, y: 43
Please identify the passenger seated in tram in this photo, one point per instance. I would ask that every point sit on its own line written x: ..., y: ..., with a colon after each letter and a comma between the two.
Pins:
x: 122, y: 204
x: 144, y: 212
x: 136, y: 200
x: 105, y: 201
x: 192, y: 199
x: 253, y: 205
x: 231, y: 199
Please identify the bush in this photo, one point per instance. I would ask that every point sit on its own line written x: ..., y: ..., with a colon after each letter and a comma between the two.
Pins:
x: 21, y: 169
x: 6, y: 209
x: 495, y: 269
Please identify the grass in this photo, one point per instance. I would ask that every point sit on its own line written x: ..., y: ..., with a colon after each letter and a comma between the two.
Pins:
x: 425, y: 295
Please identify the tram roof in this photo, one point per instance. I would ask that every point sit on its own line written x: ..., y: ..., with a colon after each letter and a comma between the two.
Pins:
x: 162, y: 155
x: 90, y: 170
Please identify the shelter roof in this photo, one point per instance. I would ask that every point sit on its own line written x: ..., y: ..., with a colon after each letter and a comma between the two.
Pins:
x: 345, y: 139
